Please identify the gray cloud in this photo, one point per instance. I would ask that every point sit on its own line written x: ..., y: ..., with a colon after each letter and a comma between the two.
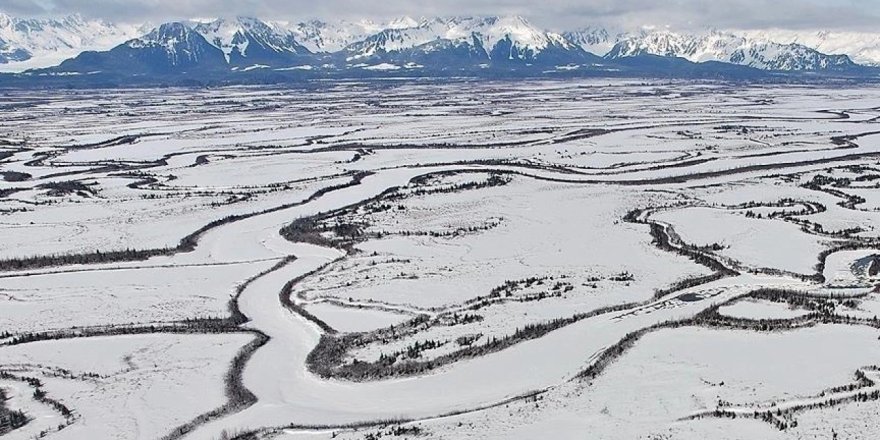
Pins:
x: 558, y: 14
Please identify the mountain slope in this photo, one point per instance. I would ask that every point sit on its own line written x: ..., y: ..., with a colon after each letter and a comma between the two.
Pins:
x: 249, y: 41
x: 862, y: 47
x: 728, y: 48
x: 507, y: 45
x: 595, y: 40
x: 327, y: 37
x: 487, y: 39
x: 170, y: 48
x: 32, y: 43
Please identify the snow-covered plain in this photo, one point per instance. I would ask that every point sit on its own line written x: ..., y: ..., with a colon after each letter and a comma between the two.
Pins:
x: 615, y: 259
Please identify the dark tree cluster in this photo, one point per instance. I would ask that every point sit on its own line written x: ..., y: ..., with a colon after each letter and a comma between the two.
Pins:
x: 10, y: 419
x: 189, y: 325
x: 782, y: 419
x: 39, y: 395
x: 457, y: 232
x: 14, y: 176
x: 494, y: 179
x: 821, y: 182
x: 238, y: 396
x: 60, y: 189
x: 395, y: 431
x: 327, y: 358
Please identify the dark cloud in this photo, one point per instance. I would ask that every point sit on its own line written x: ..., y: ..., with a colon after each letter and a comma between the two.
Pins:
x: 559, y: 14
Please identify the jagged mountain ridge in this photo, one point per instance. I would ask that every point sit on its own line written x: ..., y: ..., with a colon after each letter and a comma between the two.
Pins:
x: 250, y: 43
x: 498, y: 39
x: 245, y: 40
x: 729, y: 48
x: 172, y: 47
x: 328, y: 37
x: 44, y: 42
x: 862, y: 47
x: 247, y: 43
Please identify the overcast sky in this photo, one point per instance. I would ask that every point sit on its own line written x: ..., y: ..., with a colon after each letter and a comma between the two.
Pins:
x: 553, y: 14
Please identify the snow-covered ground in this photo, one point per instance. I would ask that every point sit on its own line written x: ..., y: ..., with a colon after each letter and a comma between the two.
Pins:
x: 474, y: 260
x: 126, y: 387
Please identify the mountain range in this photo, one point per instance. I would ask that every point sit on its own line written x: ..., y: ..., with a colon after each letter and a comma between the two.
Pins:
x: 35, y: 43
x: 227, y: 47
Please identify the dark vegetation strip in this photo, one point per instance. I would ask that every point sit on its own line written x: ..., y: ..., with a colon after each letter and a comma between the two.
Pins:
x: 287, y: 302
x: 684, y: 178
x: 10, y: 420
x: 237, y: 395
x: 711, y: 319
x: 662, y: 238
x: 195, y: 325
x: 122, y: 268
x: 186, y: 244
x: 14, y: 176
x: 40, y: 396
x: 822, y: 311
x: 615, y: 351
x: 327, y: 359
x: 783, y: 419
x: 627, y: 341
x: 385, y: 423
x: 530, y: 332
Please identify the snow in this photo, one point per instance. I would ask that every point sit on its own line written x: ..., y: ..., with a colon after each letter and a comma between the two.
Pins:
x: 50, y: 41
x: 569, y: 162
x: 235, y: 35
x: 754, y: 309
x: 39, y: 43
x: 355, y: 320
x: 302, y: 67
x: 526, y: 39
x: 44, y: 418
x: 320, y: 36
x: 754, y: 50
x: 382, y: 66
x: 862, y: 47
x: 759, y: 243
x: 255, y: 67
x: 226, y: 35
x: 670, y: 374
x: 125, y: 296
x: 144, y: 385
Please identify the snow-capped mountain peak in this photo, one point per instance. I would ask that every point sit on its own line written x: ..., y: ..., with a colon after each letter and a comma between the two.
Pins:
x: 595, y: 40
x: 492, y: 30
x: 241, y: 43
x: 861, y: 47
x: 248, y: 37
x: 31, y: 43
x: 504, y: 37
x: 715, y: 45
x: 176, y: 43
x: 5, y: 20
x: 225, y: 34
x: 321, y: 36
x: 403, y: 23
x: 168, y: 35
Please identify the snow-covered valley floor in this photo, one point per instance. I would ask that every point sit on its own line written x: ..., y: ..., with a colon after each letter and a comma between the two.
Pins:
x: 602, y: 259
